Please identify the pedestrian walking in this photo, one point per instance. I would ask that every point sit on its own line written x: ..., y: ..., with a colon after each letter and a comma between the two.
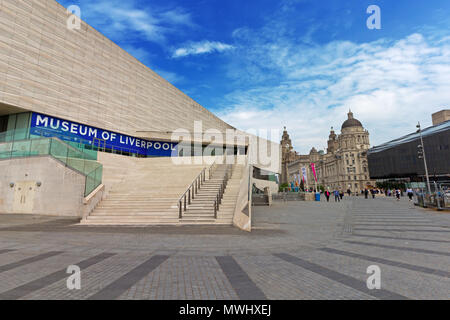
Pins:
x: 336, y: 196
x: 341, y: 194
x: 410, y: 193
x: 397, y: 194
x: 327, y: 195
x: 366, y: 194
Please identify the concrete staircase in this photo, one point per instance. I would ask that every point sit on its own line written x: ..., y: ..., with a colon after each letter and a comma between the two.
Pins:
x: 146, y: 191
x: 201, y: 209
x: 141, y: 191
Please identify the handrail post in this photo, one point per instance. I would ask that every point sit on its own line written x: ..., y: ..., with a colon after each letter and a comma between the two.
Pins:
x: 184, y: 202
x: 180, y: 212
x: 189, y: 197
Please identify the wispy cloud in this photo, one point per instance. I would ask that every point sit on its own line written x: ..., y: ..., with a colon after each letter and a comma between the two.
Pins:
x: 202, y: 47
x: 389, y: 85
x: 121, y: 20
x: 178, y: 16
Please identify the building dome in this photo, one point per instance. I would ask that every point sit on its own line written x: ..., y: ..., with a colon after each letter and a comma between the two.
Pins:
x: 351, y: 122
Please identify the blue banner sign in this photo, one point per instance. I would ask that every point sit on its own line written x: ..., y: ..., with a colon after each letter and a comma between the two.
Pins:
x: 43, y: 125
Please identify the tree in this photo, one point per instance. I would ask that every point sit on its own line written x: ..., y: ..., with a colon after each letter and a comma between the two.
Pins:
x: 283, y: 186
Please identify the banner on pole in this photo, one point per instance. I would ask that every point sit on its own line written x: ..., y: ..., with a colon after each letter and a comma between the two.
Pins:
x: 313, y: 168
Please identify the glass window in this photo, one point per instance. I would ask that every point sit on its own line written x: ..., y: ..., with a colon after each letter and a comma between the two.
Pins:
x: 11, y: 122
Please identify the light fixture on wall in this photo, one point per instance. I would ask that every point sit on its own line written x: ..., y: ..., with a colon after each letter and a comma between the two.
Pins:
x: 11, y: 184
x: 39, y: 183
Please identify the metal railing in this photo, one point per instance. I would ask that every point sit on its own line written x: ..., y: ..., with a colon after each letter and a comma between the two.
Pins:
x: 223, y: 186
x: 439, y: 197
x: 192, y: 191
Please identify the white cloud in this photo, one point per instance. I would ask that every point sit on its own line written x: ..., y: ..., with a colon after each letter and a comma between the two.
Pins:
x: 124, y: 19
x: 389, y: 85
x: 178, y: 16
x: 202, y: 47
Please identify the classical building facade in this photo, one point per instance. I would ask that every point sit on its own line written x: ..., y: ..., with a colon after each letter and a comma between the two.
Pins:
x: 344, y: 165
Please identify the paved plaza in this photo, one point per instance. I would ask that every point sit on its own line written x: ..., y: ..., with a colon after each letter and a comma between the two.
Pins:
x: 297, y: 250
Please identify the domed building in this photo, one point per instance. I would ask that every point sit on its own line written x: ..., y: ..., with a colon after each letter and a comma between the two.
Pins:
x: 344, y: 166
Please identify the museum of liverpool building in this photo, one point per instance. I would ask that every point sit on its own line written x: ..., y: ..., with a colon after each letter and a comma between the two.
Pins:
x: 87, y: 130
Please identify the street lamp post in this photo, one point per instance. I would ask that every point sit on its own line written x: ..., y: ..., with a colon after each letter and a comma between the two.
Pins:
x: 424, y: 158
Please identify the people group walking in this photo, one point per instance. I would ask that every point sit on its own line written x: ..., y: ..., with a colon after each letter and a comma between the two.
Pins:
x: 397, y: 193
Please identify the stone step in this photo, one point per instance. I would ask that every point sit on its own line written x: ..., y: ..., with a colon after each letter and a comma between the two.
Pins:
x: 134, y: 203
x: 108, y: 222
x: 208, y: 202
x: 199, y: 211
x: 135, y: 213
x: 198, y: 215
x: 161, y: 215
x: 125, y: 211
x: 111, y: 219
x: 198, y: 221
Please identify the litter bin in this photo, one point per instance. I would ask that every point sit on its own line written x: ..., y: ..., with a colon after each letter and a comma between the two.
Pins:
x: 317, y: 196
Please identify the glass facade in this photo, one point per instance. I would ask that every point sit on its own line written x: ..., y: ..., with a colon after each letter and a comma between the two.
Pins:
x: 27, y: 125
x: 399, y: 158
x: 261, y: 174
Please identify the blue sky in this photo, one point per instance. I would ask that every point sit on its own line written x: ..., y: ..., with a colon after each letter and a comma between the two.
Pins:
x: 262, y: 64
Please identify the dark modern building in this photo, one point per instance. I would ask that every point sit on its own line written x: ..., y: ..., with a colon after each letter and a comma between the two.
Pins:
x: 399, y: 158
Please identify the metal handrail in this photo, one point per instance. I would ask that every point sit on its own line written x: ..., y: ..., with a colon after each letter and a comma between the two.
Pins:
x: 192, y: 191
x: 220, y: 193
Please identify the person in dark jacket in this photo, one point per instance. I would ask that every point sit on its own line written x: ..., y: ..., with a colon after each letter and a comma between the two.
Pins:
x: 366, y: 194
x: 336, y: 196
x: 397, y: 194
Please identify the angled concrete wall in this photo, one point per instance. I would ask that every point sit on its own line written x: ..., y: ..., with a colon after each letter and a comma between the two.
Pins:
x: 61, y: 190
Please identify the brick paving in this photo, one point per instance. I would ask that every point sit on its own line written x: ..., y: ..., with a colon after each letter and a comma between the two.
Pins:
x: 297, y: 250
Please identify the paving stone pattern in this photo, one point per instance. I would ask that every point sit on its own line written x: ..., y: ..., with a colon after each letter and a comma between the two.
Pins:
x: 297, y: 250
